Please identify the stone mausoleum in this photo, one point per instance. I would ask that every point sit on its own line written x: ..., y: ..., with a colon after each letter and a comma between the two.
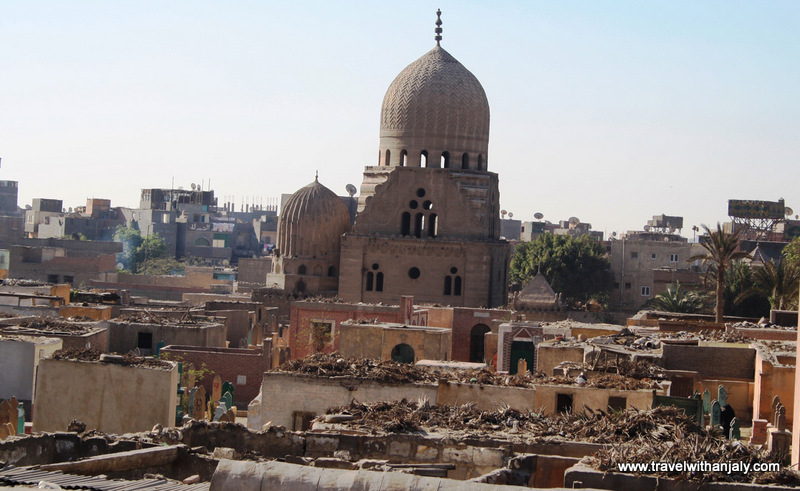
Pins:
x: 428, y: 220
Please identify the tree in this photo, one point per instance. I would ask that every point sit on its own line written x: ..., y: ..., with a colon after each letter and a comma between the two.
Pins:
x: 791, y: 252
x: 721, y: 250
x: 739, y: 279
x: 777, y: 282
x: 145, y: 255
x: 677, y: 299
x: 576, y: 267
x: 131, y: 239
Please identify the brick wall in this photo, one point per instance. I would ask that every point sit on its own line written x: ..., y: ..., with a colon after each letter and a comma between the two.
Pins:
x: 711, y: 361
x: 229, y: 364
x: 464, y: 320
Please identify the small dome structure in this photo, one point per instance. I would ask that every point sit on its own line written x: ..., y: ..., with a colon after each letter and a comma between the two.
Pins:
x: 312, y: 223
x: 435, y: 114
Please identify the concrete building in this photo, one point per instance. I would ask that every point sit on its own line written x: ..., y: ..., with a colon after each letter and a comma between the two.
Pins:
x: 19, y: 361
x: 428, y: 220
x: 62, y: 260
x: 41, y: 209
x: 643, y: 264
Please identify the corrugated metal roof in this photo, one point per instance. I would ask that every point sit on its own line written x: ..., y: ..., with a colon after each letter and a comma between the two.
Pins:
x: 33, y: 475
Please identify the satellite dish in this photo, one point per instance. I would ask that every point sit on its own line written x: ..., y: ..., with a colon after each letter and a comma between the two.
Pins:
x: 70, y: 210
x: 194, y: 186
x: 225, y: 262
x: 788, y: 211
x: 538, y: 215
x: 120, y: 266
x: 613, y: 234
x: 503, y: 213
x: 574, y: 220
x: 351, y: 190
x: 510, y: 215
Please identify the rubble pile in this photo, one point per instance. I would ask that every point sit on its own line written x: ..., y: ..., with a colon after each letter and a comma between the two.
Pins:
x: 666, y: 434
x: 161, y: 318
x: 86, y: 354
x: 640, y: 369
x: 91, y: 354
x: 333, y: 365
x: 52, y: 324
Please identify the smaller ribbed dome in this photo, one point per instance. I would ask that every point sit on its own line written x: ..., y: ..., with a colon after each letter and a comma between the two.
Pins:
x: 312, y: 223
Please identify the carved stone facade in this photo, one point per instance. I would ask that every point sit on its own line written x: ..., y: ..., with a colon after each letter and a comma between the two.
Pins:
x: 428, y: 220
x: 306, y: 259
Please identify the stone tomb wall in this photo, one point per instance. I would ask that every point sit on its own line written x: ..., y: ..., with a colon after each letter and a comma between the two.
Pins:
x: 108, y: 397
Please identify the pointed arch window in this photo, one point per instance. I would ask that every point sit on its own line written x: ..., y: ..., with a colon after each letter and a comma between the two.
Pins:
x: 403, y: 158
x: 445, y: 160
x: 465, y: 161
x: 423, y: 158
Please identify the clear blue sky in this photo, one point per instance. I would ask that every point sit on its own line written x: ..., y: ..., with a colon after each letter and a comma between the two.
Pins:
x: 608, y: 111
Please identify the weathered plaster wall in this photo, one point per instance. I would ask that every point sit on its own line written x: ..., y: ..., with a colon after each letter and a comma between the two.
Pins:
x: 107, y: 397
x: 548, y: 357
x: 728, y: 361
x: 486, y: 397
x: 592, y: 398
x: 19, y: 357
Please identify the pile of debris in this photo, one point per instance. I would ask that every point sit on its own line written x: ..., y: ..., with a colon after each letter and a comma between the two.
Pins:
x: 161, y: 318
x: 640, y: 369
x: 129, y: 359
x: 53, y: 324
x: 334, y: 365
x: 762, y: 324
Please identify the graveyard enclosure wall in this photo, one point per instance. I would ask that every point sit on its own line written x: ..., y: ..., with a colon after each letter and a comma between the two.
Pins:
x: 549, y: 356
x: 486, y: 397
x: 740, y: 395
x: 594, y: 331
x: 19, y: 358
x: 253, y: 272
x: 303, y: 314
x: 237, y: 325
x: 773, y: 380
x: 124, y: 336
x: 202, y: 299
x: 440, y: 316
x: 94, y: 312
x: 244, y: 368
x: 110, y: 398
x: 24, y: 311
x: 767, y: 334
x: 722, y: 361
x: 97, y: 339
x: 283, y: 394
x: 547, y: 395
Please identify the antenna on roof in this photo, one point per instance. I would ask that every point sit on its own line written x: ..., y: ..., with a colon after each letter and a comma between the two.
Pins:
x: 438, y: 29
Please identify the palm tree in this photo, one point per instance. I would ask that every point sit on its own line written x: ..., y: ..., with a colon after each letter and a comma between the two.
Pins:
x: 676, y: 299
x: 721, y: 250
x: 778, y: 282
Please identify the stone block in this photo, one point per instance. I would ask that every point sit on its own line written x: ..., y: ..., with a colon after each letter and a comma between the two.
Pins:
x: 488, y: 457
x: 333, y: 463
x: 399, y: 449
x: 321, y: 444
x: 426, y: 453
x: 759, y: 432
x: 460, y: 455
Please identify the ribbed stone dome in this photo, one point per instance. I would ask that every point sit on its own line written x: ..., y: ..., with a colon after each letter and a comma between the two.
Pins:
x: 435, y: 105
x: 312, y: 223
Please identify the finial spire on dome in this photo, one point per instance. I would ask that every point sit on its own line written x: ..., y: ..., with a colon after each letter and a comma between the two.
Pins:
x: 316, y: 176
x: 438, y: 29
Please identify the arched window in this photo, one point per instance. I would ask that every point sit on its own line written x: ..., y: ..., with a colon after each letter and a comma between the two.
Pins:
x: 465, y: 161
x: 370, y: 281
x: 332, y: 271
x: 301, y: 269
x: 388, y: 158
x: 379, y: 282
x: 423, y: 158
x: 403, y: 353
x: 403, y: 158
x: 405, y: 223
x: 202, y: 242
x: 419, y: 224
x: 432, y: 225
x: 445, y: 161
x: 448, y: 285
x: 457, y: 286
x: 317, y: 270
x: 480, y: 161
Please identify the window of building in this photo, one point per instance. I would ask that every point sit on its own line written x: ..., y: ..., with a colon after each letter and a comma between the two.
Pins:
x: 634, y: 255
x: 616, y: 403
x: 563, y: 403
x: 301, y: 420
x: 673, y: 258
x: 645, y: 291
x: 144, y: 340
x: 69, y: 279
x: 627, y: 285
x: 653, y: 255
x: 52, y: 278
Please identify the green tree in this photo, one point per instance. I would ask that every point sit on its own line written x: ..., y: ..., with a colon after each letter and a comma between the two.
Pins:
x: 791, y: 252
x: 777, y: 282
x: 677, y: 299
x: 131, y: 239
x: 145, y: 255
x: 721, y: 249
x: 739, y: 279
x: 576, y: 267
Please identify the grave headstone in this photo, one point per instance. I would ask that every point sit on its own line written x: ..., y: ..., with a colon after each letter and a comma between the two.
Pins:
x: 199, y: 404
x: 228, y: 387
x: 706, y: 401
x: 774, y: 406
x: 697, y: 395
x: 716, y: 414
x: 243, y: 344
x: 736, y: 433
x: 227, y: 399
x: 13, y: 415
x: 231, y: 415
x: 21, y: 419
x: 190, y: 402
x: 5, y: 412
x: 522, y: 366
x: 159, y: 347
x: 216, y: 389
x: 221, y: 409
x: 722, y: 396
x: 4, y: 433
x: 780, y: 419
